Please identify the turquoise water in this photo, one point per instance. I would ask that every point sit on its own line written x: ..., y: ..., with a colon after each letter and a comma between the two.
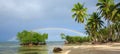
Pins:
x: 15, y: 48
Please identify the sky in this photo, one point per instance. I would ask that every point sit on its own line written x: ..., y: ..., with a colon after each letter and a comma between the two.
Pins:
x: 51, y: 16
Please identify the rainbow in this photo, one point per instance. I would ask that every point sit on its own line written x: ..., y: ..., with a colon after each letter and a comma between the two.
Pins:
x: 52, y: 29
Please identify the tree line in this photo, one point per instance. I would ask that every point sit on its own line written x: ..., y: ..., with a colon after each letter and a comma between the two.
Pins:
x: 75, y: 39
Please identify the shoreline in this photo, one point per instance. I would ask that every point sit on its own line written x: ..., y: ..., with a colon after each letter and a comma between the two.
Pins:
x: 113, y: 48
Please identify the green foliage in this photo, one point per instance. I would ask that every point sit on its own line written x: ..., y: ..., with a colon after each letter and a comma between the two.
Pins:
x: 77, y: 39
x: 62, y: 35
x: 94, y: 23
x: 79, y: 12
x: 111, y: 12
x: 108, y: 10
x: 105, y: 7
x: 31, y: 37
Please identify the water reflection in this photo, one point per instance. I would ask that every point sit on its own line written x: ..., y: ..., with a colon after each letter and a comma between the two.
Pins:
x: 33, y: 50
x: 15, y: 48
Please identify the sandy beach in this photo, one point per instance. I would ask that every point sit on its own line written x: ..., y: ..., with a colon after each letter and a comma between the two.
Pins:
x: 111, y: 48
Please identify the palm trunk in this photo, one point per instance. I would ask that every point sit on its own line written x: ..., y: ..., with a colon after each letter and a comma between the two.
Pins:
x: 110, y: 32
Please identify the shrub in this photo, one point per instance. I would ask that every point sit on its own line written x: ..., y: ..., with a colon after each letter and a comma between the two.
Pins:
x: 29, y: 37
x: 77, y: 39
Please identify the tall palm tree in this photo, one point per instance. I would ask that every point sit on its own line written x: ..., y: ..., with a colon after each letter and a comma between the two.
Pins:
x: 115, y: 12
x: 116, y: 29
x: 79, y: 12
x: 103, y: 33
x: 116, y: 20
x: 110, y: 11
x: 104, y: 7
x: 94, y: 23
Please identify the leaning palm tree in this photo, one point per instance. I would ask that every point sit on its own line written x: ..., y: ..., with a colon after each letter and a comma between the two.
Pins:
x: 94, y: 23
x: 116, y: 21
x: 115, y: 13
x: 110, y: 11
x: 79, y: 12
x: 103, y: 34
x: 104, y: 8
x: 116, y: 29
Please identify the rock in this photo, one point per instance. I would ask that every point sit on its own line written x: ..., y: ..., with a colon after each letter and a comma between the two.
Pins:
x: 57, y: 49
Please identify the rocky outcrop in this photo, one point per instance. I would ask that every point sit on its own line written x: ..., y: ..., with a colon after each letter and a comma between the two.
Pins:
x: 57, y: 49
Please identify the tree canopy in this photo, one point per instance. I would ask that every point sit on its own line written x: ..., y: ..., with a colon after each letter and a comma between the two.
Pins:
x: 79, y: 12
x: 107, y: 10
x: 29, y: 37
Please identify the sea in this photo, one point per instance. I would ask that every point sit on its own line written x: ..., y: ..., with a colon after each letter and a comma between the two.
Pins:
x: 15, y: 48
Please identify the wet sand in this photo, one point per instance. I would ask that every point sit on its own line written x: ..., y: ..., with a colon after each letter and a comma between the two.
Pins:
x: 113, y: 48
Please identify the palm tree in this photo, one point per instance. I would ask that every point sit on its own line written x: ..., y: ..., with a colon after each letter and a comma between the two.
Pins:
x: 115, y: 12
x: 103, y: 33
x: 110, y: 11
x: 79, y: 12
x: 104, y: 7
x: 116, y: 20
x: 116, y: 29
x: 94, y: 23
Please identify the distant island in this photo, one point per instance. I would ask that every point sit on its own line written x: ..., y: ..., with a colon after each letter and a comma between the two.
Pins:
x: 32, y: 38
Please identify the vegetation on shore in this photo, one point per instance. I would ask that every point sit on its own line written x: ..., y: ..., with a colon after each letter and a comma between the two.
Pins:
x: 32, y: 38
x: 107, y: 10
x: 75, y: 39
